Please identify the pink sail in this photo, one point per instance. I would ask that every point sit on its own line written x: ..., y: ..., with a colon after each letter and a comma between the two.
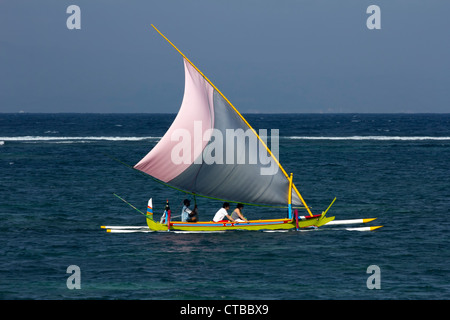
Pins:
x: 204, y: 117
x: 197, y: 107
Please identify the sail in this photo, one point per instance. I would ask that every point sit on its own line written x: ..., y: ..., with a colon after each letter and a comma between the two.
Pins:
x: 211, y: 150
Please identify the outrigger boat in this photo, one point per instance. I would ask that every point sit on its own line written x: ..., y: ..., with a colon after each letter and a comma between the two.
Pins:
x: 204, y: 116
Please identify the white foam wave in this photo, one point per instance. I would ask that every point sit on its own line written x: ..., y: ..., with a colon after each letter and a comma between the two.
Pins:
x: 105, y: 138
x: 379, y: 138
x: 79, y: 139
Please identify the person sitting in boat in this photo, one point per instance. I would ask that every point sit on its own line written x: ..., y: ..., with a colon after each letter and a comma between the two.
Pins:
x: 188, y: 215
x: 237, y: 214
x: 222, y: 213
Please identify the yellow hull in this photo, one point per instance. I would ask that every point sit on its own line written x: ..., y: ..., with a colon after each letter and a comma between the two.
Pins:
x: 270, y: 224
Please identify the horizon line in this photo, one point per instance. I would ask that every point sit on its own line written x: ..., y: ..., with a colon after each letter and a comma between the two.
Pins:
x: 250, y: 112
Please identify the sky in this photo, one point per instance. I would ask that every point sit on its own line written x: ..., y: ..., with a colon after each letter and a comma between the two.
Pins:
x: 265, y: 56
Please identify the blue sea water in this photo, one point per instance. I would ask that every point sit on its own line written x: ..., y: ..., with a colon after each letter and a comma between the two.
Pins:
x: 57, y: 185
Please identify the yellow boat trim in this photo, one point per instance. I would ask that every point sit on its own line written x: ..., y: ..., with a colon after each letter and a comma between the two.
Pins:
x: 268, y: 224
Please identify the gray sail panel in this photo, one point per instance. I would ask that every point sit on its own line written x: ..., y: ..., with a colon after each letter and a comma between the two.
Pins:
x: 240, y: 179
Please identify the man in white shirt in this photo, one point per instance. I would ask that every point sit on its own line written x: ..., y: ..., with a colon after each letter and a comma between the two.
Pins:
x: 222, y: 213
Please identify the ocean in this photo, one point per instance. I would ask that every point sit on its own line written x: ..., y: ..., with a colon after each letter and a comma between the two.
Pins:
x: 58, y: 178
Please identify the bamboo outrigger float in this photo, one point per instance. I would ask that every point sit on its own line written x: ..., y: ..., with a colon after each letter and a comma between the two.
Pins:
x: 204, y: 112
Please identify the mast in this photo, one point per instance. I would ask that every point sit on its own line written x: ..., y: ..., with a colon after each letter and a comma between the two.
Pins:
x: 290, y: 196
x: 243, y: 119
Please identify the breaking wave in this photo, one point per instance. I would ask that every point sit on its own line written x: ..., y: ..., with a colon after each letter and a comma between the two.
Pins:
x: 74, y: 139
x: 88, y: 139
x: 380, y: 138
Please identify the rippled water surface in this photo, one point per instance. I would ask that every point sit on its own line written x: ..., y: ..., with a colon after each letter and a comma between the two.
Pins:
x: 57, y: 186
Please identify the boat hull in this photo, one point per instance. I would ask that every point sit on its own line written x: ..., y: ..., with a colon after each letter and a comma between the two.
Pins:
x: 268, y: 224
